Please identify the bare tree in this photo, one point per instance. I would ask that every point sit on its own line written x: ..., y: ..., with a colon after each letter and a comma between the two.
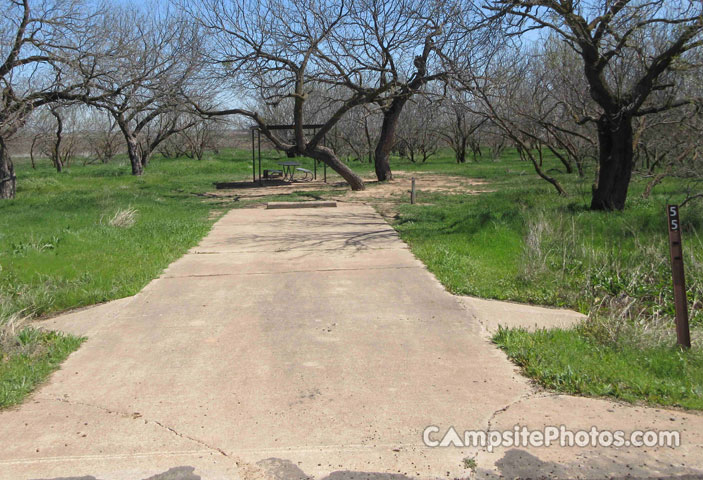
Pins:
x: 287, y: 52
x: 566, y: 93
x: 628, y: 49
x: 195, y: 141
x: 496, y: 141
x: 202, y: 137
x: 669, y: 144
x: 39, y: 128
x: 404, y: 43
x: 151, y: 78
x: 418, y: 134
x: 357, y: 134
x: 402, y: 37
x: 104, y: 137
x: 62, y: 148
x: 460, y: 127
x: 511, y: 97
x: 40, y: 44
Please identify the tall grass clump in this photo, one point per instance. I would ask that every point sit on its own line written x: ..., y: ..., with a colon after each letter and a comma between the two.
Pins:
x: 27, y: 355
x: 123, y: 218
x: 616, y: 272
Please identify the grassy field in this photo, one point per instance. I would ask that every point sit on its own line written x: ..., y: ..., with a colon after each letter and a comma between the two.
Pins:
x: 92, y: 234
x: 523, y: 243
x: 95, y: 233
x: 577, y: 361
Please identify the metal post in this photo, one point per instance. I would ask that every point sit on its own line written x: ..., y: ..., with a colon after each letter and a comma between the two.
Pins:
x: 412, y: 192
x: 314, y: 162
x: 324, y: 164
x: 253, y: 156
x: 683, y: 334
x: 260, y: 181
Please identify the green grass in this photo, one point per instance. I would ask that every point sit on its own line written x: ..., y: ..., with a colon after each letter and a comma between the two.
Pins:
x: 519, y: 241
x: 571, y: 361
x: 60, y: 249
x: 26, y: 363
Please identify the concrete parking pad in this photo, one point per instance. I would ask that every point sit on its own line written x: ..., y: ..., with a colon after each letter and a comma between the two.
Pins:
x: 300, y: 343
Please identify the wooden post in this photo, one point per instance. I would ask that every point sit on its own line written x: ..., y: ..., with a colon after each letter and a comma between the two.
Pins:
x: 412, y: 192
x: 683, y: 334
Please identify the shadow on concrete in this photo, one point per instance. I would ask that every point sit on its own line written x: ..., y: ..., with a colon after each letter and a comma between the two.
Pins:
x: 280, y: 469
x: 521, y: 465
x: 176, y: 473
x: 516, y: 465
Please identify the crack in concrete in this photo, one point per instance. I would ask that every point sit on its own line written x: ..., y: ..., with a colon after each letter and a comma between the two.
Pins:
x: 484, y: 330
x: 522, y: 398
x: 283, y: 250
x: 248, y: 470
x: 136, y: 416
x: 208, y: 275
x: 188, y: 437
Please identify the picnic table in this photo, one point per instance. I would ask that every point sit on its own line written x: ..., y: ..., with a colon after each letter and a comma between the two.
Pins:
x: 289, y: 169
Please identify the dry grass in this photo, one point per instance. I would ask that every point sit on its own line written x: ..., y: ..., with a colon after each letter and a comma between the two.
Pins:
x: 123, y: 218
x: 10, y: 327
x: 629, y: 288
x: 535, y: 251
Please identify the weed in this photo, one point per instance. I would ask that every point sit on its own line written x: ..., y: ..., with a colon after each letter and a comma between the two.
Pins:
x: 123, y: 218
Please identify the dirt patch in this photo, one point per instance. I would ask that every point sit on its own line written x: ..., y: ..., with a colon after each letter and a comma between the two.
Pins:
x: 385, y: 196
x: 215, y: 214
x: 424, y: 182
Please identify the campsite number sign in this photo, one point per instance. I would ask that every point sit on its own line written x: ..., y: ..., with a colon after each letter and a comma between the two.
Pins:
x: 673, y: 218
x: 683, y: 334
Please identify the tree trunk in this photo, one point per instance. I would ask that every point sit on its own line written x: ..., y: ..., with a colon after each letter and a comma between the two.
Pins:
x: 564, y: 159
x: 328, y: 156
x: 526, y: 154
x: 145, y: 156
x: 616, y: 155
x: 134, y: 157
x: 460, y: 152
x: 579, y: 166
x: 31, y: 152
x: 476, y: 150
x: 56, y: 153
x: 7, y: 173
x: 387, y: 139
x: 653, y: 183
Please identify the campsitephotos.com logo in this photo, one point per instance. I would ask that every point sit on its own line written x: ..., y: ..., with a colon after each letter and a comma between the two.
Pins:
x: 521, y: 436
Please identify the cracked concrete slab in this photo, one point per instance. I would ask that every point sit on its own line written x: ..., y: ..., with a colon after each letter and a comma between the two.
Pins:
x: 86, y: 321
x: 294, y: 344
x: 292, y: 261
x: 578, y: 413
x: 492, y: 314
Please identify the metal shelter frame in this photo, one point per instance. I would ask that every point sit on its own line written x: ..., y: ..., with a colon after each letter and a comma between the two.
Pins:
x: 256, y: 148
